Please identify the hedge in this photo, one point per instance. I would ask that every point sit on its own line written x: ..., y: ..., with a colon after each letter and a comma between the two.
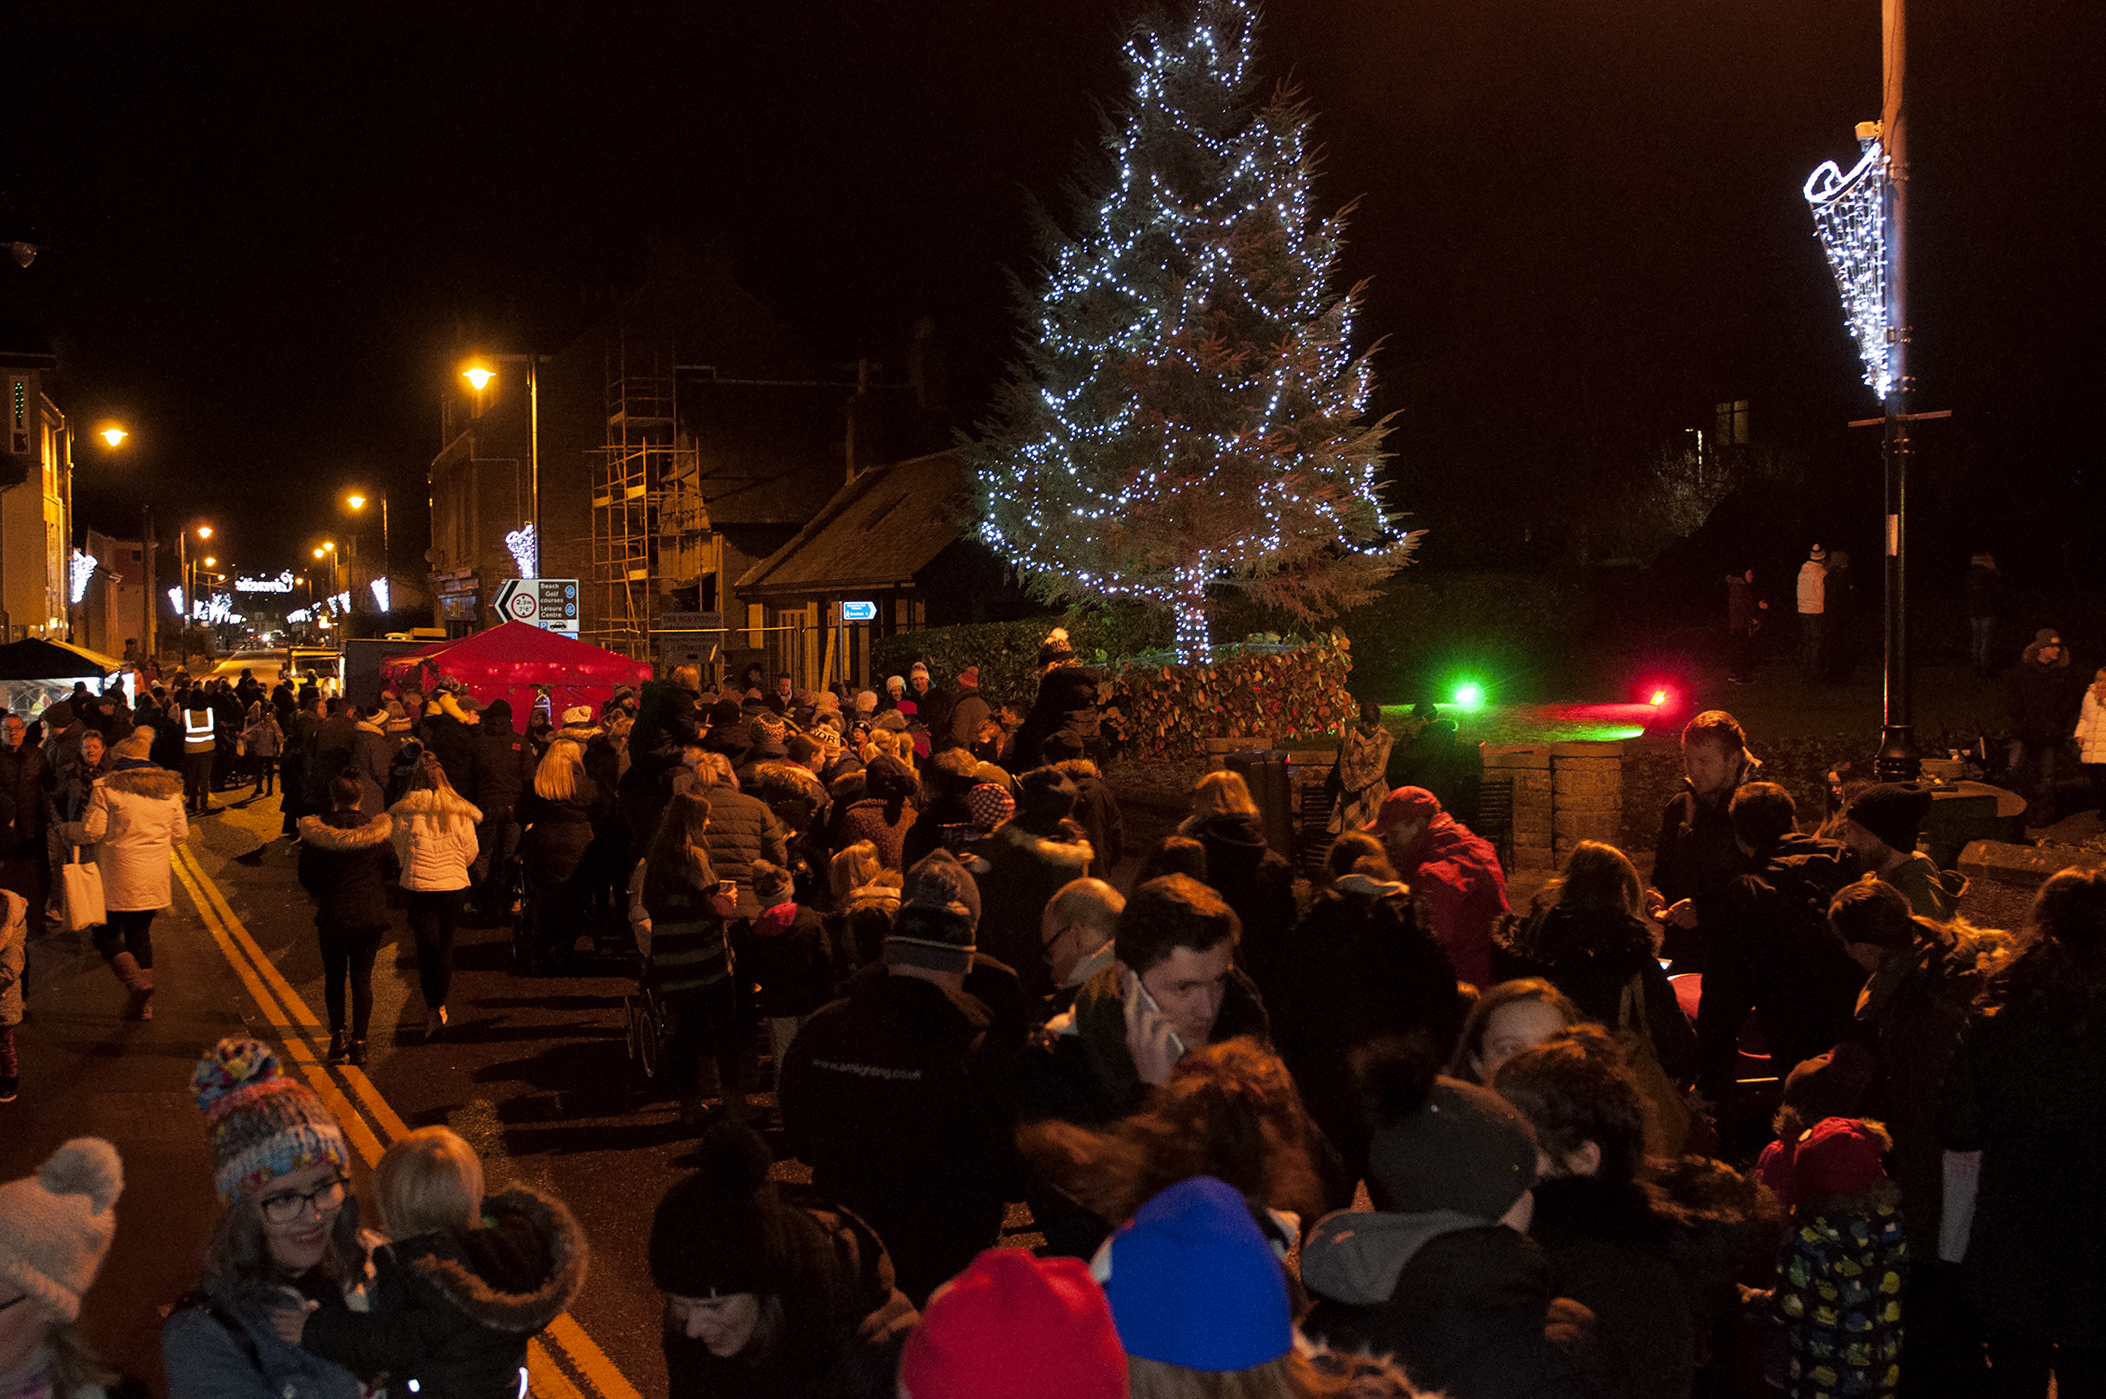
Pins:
x: 1285, y: 689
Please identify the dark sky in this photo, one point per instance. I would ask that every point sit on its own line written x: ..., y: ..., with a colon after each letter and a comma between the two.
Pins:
x: 1580, y: 219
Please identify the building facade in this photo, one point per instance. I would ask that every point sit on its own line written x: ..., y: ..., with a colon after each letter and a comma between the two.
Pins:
x: 36, y: 492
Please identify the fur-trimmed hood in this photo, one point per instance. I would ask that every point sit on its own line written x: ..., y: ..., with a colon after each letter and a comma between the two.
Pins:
x: 776, y: 781
x: 1046, y: 849
x: 516, y: 1274
x: 430, y: 802
x: 342, y: 840
x: 155, y: 784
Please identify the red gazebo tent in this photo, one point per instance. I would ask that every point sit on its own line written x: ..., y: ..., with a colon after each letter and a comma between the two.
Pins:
x: 512, y: 660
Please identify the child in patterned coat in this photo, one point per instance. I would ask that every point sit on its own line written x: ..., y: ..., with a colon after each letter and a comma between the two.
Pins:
x: 1842, y: 1271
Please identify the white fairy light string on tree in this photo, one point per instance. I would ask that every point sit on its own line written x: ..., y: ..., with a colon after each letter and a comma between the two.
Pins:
x: 1188, y: 416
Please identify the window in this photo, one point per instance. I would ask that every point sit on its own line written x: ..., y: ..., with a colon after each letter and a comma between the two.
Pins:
x: 1733, y: 423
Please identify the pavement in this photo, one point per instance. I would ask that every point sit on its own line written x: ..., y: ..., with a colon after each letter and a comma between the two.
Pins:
x: 533, y: 1073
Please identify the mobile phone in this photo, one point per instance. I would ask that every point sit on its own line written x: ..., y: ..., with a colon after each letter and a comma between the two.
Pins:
x: 1148, y: 1002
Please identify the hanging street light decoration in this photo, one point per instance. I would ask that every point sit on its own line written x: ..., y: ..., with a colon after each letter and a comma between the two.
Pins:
x: 526, y: 550
x: 1850, y: 220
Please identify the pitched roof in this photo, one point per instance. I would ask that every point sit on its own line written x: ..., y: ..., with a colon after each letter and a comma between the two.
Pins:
x: 878, y: 531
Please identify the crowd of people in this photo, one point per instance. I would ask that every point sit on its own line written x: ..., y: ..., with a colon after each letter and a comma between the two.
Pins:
x: 1383, y: 1135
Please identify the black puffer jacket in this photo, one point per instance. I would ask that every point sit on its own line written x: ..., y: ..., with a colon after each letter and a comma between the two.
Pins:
x: 1066, y: 703
x: 1608, y: 1250
x: 560, y: 832
x: 344, y: 860
x: 1593, y: 955
x: 1256, y: 881
x: 742, y: 830
x: 452, y: 1313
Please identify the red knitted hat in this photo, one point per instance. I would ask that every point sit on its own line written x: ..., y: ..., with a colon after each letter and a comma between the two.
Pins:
x: 1016, y: 1327
x: 1837, y: 1156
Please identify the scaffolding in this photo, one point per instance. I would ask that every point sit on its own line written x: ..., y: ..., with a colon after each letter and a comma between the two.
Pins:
x: 650, y: 529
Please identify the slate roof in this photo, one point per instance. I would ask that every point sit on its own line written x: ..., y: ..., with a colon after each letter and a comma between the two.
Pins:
x: 878, y: 531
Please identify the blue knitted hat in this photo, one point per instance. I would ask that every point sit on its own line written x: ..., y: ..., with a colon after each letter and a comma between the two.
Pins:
x: 1193, y: 1282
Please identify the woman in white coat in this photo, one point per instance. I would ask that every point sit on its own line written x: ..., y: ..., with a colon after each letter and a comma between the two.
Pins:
x: 2091, y: 737
x: 134, y: 819
x: 435, y: 842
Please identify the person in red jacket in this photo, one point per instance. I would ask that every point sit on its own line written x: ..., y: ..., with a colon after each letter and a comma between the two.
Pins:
x: 1453, y: 868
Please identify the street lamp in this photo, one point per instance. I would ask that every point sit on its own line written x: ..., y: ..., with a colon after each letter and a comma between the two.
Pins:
x: 113, y: 435
x: 358, y: 502
x: 479, y: 377
x: 183, y: 565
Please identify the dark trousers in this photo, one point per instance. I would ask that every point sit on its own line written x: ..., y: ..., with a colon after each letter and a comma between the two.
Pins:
x: 706, y: 1027
x: 432, y: 915
x: 347, y: 957
x: 197, y: 781
x: 2019, y: 1366
x: 497, y: 846
x: 30, y: 876
x: 266, y: 768
x: 129, y: 930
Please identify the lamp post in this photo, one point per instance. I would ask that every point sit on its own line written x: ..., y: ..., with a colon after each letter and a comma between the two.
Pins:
x: 479, y: 376
x: 114, y: 436
x: 357, y: 502
x: 183, y: 566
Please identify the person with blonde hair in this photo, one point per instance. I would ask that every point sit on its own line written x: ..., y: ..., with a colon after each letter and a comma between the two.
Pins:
x: 560, y: 814
x: 134, y: 819
x: 465, y: 1283
x: 866, y: 896
x: 434, y: 835
x: 1252, y: 877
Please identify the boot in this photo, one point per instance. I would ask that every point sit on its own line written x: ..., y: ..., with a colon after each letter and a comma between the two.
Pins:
x: 339, y: 1046
x: 357, y: 1055
x: 138, y: 981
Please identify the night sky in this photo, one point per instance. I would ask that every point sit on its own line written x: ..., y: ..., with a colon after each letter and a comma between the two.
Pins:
x: 266, y: 227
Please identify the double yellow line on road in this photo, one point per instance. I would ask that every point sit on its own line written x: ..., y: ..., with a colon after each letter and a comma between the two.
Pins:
x: 563, y: 1362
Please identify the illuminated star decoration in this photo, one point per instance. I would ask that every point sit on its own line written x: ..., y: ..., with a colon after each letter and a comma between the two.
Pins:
x: 1849, y: 219
x: 1187, y: 417
x: 526, y: 552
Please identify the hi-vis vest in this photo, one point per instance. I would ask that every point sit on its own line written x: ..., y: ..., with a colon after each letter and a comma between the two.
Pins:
x: 197, y: 731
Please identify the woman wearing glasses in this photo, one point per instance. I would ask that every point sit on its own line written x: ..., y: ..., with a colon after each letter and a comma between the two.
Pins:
x: 289, y: 1234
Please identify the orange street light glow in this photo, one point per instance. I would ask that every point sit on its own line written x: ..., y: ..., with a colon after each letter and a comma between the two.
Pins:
x: 114, y: 435
x: 478, y: 376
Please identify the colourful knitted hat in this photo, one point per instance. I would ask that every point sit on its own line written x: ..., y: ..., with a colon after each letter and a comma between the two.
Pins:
x: 990, y: 805
x: 261, y: 1124
x: 56, y: 1226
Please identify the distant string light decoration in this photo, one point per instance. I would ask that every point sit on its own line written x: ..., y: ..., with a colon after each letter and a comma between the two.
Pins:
x: 1187, y: 416
x: 526, y: 550
x: 1849, y: 219
x: 175, y: 601
x: 380, y: 593
x: 81, y: 568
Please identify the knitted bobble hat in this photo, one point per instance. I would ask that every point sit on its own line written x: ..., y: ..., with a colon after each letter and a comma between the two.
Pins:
x: 1893, y: 811
x: 990, y: 805
x: 261, y: 1125
x: 725, y: 1229
x: 1466, y: 1150
x: 1016, y: 1327
x: 933, y: 931
x: 56, y: 1226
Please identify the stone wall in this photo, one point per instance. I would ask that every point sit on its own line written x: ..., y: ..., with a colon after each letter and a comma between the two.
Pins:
x: 1564, y: 793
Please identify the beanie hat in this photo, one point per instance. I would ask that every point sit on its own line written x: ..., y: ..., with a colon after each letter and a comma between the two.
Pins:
x: 768, y: 727
x: 1046, y: 797
x: 826, y: 735
x: 1467, y: 1150
x: 970, y: 676
x: 1055, y: 647
x: 56, y: 1226
x: 1193, y: 1282
x: 1831, y: 1084
x: 772, y: 884
x: 893, y: 682
x: 826, y: 700
x: 893, y: 719
x: 1012, y: 1326
x: 1893, y: 811
x: 918, y: 668
x: 1838, y: 1156
x: 933, y: 931
x: 725, y: 1229
x: 261, y: 1124
x: 866, y: 702
x: 578, y: 716
x: 1818, y: 553
x: 941, y: 867
x: 990, y: 805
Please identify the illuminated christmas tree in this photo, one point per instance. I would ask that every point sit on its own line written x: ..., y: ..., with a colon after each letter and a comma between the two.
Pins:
x: 1187, y: 419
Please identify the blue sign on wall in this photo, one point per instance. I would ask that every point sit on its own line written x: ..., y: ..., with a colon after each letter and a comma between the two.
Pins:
x: 859, y: 612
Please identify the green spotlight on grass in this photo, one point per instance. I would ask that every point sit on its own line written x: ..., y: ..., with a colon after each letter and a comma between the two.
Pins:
x: 1469, y: 696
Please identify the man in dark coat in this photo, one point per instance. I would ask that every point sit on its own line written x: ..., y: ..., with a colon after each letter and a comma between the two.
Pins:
x: 1696, y: 856
x: 24, y: 776
x: 2043, y: 703
x: 898, y: 1097
x: 1770, y: 951
x: 499, y: 771
x: 1067, y: 700
x: 334, y: 738
x: 1029, y: 859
